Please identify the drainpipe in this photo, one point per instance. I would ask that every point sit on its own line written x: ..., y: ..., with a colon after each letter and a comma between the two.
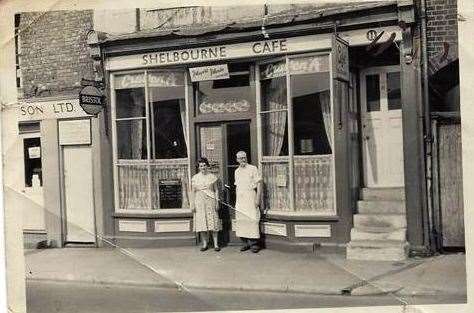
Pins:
x: 431, y: 241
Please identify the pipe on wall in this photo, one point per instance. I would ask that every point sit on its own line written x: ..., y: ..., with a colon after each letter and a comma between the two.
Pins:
x: 431, y: 241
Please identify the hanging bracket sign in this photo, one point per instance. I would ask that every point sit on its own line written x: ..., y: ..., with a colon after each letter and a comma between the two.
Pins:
x: 340, y: 58
x: 92, y: 100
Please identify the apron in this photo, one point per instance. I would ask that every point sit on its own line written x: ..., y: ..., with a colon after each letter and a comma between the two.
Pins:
x: 247, y: 215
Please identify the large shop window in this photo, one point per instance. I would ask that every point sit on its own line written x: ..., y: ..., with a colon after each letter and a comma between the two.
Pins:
x: 151, y: 141
x: 296, y: 133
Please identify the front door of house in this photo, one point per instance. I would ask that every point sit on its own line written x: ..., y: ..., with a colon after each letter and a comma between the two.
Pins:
x: 219, y: 143
x: 381, y: 117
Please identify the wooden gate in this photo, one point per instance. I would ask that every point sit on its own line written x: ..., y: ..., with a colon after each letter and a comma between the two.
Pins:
x: 448, y: 217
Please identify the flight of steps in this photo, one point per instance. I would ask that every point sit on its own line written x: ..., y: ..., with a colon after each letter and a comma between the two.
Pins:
x: 380, y: 227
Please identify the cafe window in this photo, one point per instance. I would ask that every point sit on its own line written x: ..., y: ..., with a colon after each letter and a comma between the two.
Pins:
x: 151, y: 146
x: 296, y: 134
x: 230, y: 95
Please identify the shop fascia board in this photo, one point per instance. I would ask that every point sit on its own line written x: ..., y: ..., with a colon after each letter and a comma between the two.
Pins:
x: 155, y: 44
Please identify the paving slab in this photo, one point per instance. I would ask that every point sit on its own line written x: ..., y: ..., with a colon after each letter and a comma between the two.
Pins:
x: 91, y: 265
x: 230, y: 269
x: 443, y: 274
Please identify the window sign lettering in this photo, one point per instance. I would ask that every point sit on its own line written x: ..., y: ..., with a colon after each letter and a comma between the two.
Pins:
x: 273, y: 70
x: 314, y: 64
x: 230, y: 106
x: 155, y: 79
x: 213, y: 72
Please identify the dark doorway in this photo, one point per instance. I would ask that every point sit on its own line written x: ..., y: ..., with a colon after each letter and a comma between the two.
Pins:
x: 219, y: 143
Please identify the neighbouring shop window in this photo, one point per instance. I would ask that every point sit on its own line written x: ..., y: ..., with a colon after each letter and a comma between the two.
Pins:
x: 301, y: 178
x: 32, y: 157
x: 151, y: 140
x: 231, y: 95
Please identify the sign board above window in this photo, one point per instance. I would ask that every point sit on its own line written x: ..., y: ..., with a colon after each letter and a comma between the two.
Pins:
x: 212, y: 72
x: 55, y: 109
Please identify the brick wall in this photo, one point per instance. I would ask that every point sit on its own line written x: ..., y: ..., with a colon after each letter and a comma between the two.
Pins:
x: 442, y: 25
x: 54, y: 55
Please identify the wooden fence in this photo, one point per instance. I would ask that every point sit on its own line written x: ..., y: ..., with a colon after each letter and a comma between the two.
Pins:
x: 447, y: 193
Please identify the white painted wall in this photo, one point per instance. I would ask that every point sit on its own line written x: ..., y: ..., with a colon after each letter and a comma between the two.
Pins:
x: 13, y: 240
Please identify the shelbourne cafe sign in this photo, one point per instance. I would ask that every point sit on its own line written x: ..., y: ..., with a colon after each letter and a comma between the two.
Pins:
x: 221, y: 52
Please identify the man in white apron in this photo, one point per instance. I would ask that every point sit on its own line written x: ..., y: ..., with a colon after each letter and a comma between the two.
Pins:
x: 247, y: 216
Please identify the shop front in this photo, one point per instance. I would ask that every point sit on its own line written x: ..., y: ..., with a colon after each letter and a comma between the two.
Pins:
x: 293, y: 102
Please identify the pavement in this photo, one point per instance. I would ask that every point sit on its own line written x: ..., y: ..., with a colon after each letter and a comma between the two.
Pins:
x: 230, y: 269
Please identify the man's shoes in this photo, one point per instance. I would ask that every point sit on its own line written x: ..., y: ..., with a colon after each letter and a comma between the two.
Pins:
x: 204, y: 249
x: 255, y: 249
x: 217, y: 249
x: 244, y: 248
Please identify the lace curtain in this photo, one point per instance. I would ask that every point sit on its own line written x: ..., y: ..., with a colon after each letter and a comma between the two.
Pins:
x: 325, y: 102
x: 276, y: 123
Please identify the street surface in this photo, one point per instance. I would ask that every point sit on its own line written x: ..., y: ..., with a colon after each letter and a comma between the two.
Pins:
x: 48, y: 297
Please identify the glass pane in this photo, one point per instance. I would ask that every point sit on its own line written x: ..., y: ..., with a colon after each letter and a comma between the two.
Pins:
x: 32, y: 157
x: 274, y: 94
x: 276, y: 186
x: 130, y: 103
x: 275, y: 133
x: 312, y: 118
x: 169, y: 185
x: 393, y: 91
x: 231, y: 95
x: 373, y: 92
x: 131, y: 139
x: 314, y: 184
x: 168, y: 117
x: 211, y: 147
x: 313, y: 64
x: 129, y: 81
x: 133, y: 187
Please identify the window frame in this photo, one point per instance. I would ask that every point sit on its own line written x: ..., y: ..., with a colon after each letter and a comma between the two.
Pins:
x: 290, y: 158
x: 149, y: 161
x: 30, y: 135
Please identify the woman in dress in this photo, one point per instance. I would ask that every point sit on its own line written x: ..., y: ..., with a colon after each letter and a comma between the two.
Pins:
x: 205, y: 204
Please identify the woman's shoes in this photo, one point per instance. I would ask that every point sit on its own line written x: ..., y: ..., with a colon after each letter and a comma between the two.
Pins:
x: 204, y: 248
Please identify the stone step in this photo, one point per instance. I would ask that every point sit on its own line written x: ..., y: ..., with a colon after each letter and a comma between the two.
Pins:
x: 388, y: 193
x: 391, y: 234
x: 377, y: 250
x: 380, y: 220
x: 381, y: 207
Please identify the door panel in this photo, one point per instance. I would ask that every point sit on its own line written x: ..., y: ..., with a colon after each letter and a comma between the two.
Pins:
x: 78, y: 192
x: 381, y: 116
